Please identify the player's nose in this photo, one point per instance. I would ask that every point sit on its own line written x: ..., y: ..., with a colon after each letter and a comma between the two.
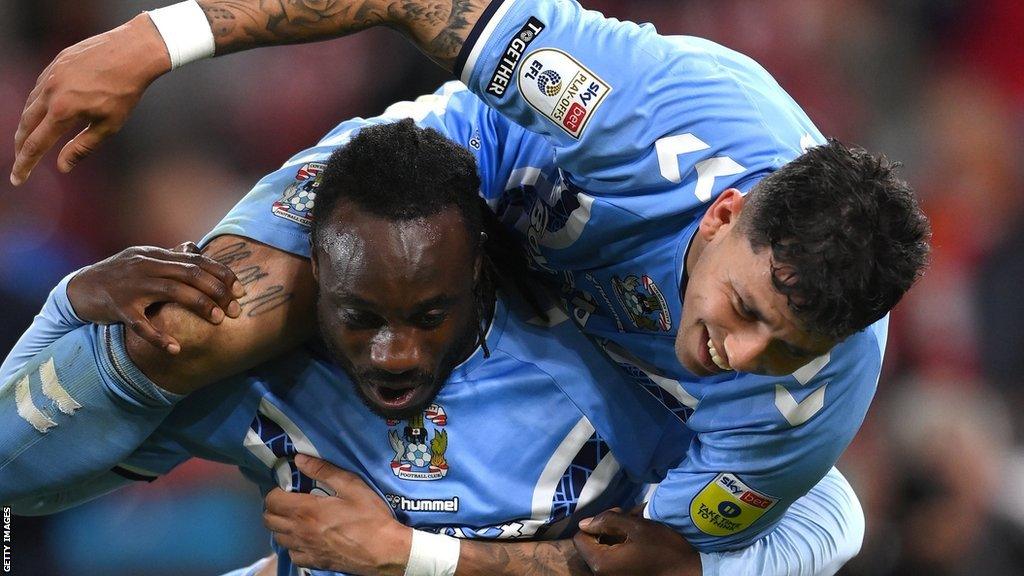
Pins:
x: 746, y: 350
x: 395, y: 351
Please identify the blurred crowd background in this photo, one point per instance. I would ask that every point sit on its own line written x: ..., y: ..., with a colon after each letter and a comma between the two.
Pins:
x: 936, y: 84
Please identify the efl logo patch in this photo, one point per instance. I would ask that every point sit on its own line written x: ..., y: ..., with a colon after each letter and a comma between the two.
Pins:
x: 727, y: 505
x: 562, y: 89
x: 296, y: 204
x: 510, y: 57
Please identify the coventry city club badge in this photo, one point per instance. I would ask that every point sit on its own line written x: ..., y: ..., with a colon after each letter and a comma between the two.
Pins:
x: 419, y: 449
x: 296, y: 204
x: 641, y: 298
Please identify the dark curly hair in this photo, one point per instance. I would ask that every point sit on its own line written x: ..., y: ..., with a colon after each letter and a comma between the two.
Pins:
x: 400, y: 171
x: 847, y: 236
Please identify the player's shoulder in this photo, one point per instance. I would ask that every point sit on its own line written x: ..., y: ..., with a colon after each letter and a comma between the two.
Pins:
x: 541, y: 332
x: 854, y: 362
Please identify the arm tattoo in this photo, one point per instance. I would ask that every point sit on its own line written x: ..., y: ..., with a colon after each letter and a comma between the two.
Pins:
x: 439, y: 27
x: 262, y: 298
x: 537, y: 558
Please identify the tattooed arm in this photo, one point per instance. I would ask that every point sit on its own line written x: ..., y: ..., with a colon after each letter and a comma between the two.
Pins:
x: 438, y: 27
x: 329, y: 533
x: 100, y: 80
x: 547, y: 557
x: 277, y: 309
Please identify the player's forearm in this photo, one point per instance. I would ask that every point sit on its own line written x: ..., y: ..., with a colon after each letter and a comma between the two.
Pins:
x: 539, y: 558
x: 74, y: 411
x: 277, y: 314
x: 438, y: 27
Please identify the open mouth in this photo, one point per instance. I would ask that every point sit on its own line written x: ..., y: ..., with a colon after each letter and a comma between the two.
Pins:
x: 394, y: 396
x: 710, y: 357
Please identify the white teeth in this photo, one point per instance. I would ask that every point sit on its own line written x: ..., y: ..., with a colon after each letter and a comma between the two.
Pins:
x: 716, y: 358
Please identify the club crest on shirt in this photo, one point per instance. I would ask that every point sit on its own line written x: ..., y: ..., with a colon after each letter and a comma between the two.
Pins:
x: 419, y: 449
x: 296, y: 204
x: 641, y: 298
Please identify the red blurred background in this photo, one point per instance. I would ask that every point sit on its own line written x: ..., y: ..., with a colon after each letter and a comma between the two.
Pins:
x: 938, y: 85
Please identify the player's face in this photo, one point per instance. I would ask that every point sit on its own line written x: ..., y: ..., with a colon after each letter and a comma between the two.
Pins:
x: 733, y: 318
x: 395, y: 304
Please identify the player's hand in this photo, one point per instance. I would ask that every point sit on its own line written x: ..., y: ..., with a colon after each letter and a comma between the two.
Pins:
x: 122, y: 287
x: 95, y: 82
x: 615, y: 543
x: 351, y: 532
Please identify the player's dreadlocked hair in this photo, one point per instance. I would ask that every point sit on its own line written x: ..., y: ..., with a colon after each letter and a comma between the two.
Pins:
x: 847, y: 236
x: 399, y: 171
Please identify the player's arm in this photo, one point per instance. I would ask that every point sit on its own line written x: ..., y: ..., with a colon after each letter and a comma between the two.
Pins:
x: 100, y: 80
x: 275, y: 313
x: 552, y: 557
x: 160, y: 453
x: 819, y: 533
x: 122, y: 288
x: 543, y: 63
x: 330, y: 533
x: 59, y: 408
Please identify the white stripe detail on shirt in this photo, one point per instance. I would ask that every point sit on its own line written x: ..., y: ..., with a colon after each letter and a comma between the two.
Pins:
x: 27, y: 410
x: 481, y: 41
x: 53, y: 390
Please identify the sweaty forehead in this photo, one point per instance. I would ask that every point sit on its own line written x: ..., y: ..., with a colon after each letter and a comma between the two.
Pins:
x: 358, y: 251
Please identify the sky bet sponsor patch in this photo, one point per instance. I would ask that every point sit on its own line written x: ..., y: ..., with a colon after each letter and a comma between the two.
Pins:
x: 727, y: 505
x: 510, y: 57
x: 562, y: 89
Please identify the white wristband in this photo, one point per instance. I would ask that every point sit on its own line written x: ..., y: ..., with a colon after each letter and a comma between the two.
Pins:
x: 185, y: 31
x: 432, y: 554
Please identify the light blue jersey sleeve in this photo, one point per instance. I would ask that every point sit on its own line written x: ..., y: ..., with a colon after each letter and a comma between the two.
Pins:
x: 759, y: 447
x: 157, y: 456
x: 628, y: 111
x: 279, y: 209
x: 70, y: 414
x: 821, y: 531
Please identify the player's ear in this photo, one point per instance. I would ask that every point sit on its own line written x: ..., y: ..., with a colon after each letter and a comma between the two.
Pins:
x: 722, y: 214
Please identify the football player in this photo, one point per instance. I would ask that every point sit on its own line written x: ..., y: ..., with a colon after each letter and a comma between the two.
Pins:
x: 698, y: 224
x: 469, y: 411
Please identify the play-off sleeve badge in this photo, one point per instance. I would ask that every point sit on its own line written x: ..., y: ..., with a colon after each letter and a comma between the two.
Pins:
x: 296, y: 204
x: 727, y: 505
x: 562, y: 89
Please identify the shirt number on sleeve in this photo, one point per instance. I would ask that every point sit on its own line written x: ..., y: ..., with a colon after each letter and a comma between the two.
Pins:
x: 671, y: 148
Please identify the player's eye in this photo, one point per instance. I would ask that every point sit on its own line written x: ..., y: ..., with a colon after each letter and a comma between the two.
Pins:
x: 431, y: 319
x: 741, y: 308
x: 360, y: 320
